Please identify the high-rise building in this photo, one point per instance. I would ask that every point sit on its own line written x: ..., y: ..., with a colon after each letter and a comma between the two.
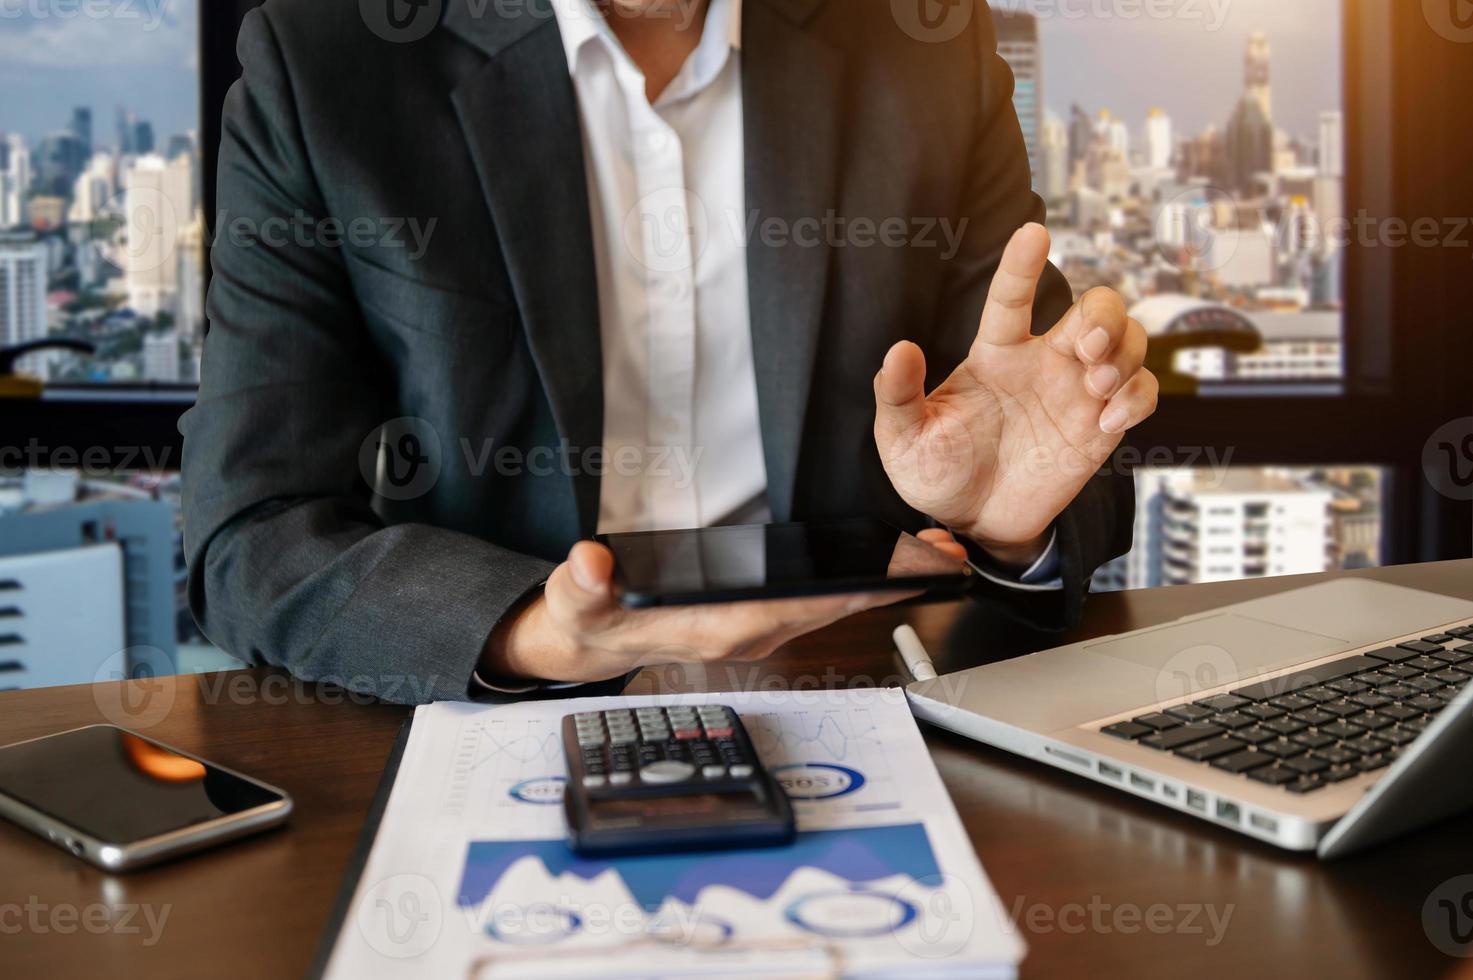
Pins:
x: 1251, y: 139
x: 15, y: 181
x: 82, y: 127
x: 143, y: 137
x: 94, y: 189
x: 1203, y: 158
x: 1200, y: 526
x: 157, y: 206
x: 1081, y: 135
x: 1159, y: 145
x: 60, y: 160
x: 1257, y: 74
x: 180, y: 144
x: 1053, y: 152
x: 1332, y: 145
x: 1017, y: 44
x: 125, y: 133
x: 144, y: 530
x: 23, y: 272
x: 189, y: 309
x: 1113, y: 133
x: 1248, y: 146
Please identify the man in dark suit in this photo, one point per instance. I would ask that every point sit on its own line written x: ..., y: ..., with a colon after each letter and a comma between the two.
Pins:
x: 748, y: 237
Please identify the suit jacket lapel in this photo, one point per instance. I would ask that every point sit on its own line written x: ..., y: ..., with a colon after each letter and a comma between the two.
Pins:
x: 520, y: 117
x: 791, y: 91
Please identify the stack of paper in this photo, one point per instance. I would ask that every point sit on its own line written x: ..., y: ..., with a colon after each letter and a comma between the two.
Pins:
x: 469, y: 875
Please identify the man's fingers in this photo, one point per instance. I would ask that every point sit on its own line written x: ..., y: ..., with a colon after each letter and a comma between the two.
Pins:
x: 1008, y: 316
x: 580, y: 591
x: 900, y: 394
x: 942, y: 540
x: 1132, y: 405
x: 1093, y: 329
x: 1108, y: 376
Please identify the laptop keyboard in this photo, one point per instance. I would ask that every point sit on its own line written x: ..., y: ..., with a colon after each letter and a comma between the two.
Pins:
x: 1320, y: 725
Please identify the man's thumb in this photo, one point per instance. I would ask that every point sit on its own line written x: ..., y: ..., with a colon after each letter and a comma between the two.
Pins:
x: 900, y: 395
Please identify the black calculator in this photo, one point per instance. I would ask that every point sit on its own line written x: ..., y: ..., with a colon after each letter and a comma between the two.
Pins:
x: 662, y: 779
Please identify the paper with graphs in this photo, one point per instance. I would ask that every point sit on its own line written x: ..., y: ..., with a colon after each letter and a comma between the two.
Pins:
x: 469, y: 876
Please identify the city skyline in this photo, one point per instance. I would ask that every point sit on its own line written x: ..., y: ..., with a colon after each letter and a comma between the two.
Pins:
x: 1197, y: 73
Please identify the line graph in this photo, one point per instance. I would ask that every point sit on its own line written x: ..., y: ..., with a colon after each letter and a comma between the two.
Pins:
x: 790, y: 735
x: 492, y: 757
x: 528, y: 747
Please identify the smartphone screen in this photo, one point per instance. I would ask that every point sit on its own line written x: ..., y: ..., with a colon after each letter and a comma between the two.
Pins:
x: 121, y: 788
x: 773, y: 560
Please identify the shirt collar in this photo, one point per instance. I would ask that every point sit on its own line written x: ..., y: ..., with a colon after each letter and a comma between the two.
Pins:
x: 579, y: 22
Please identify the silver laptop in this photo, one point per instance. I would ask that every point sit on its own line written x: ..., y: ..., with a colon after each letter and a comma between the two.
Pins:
x: 1330, y: 717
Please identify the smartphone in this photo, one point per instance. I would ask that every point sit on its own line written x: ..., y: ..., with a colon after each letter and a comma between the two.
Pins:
x: 122, y: 801
x: 776, y: 561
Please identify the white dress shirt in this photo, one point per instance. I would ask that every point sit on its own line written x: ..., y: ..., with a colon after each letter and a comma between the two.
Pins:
x: 666, y: 186
x: 667, y: 195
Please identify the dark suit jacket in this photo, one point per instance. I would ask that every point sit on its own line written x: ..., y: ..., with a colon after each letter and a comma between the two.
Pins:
x: 490, y: 338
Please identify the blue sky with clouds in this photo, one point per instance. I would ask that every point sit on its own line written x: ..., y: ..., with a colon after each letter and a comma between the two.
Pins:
x: 55, y: 54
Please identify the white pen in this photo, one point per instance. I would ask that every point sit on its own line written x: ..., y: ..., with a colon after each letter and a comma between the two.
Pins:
x: 913, y: 652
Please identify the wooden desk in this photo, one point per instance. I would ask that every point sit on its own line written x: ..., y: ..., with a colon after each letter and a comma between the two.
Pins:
x: 1077, y: 865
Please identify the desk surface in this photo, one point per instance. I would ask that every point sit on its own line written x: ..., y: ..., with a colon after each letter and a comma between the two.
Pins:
x: 1078, y: 866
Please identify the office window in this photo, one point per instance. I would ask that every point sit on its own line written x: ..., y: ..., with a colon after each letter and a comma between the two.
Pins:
x: 1193, y: 159
x: 1311, y: 519
x: 103, y: 232
x: 102, y: 241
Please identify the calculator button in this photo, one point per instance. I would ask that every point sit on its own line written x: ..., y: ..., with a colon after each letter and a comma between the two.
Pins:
x: 685, y: 733
x: 741, y: 771
x: 718, y: 732
x: 623, y: 738
x: 621, y: 778
x: 594, y: 780
x: 591, y: 738
x: 667, y: 771
x: 713, y: 772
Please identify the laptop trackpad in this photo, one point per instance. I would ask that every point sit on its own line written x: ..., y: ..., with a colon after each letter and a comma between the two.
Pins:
x: 1218, y: 650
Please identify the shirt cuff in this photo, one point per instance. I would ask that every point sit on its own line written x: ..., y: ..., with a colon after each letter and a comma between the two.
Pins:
x: 1043, y: 575
x: 478, y: 684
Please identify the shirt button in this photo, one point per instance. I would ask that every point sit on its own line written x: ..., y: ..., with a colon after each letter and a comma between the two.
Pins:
x: 657, y: 141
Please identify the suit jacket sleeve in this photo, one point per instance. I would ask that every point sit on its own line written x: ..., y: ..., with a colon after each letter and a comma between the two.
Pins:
x: 288, y: 562
x: 999, y: 199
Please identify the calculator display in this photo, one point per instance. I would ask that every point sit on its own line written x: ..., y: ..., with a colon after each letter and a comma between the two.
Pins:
x: 685, y: 806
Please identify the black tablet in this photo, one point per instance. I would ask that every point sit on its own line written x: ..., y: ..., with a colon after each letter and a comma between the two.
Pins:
x: 775, y: 561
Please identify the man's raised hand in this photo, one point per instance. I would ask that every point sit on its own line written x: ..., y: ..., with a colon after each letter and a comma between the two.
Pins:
x: 1003, y: 445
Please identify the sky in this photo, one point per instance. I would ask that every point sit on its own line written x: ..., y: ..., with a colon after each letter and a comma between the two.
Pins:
x: 141, y: 54
x: 1190, y: 64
